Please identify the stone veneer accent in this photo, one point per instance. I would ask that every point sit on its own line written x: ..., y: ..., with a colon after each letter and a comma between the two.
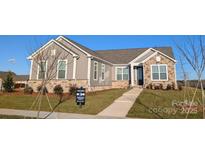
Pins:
x: 99, y: 88
x: 120, y: 84
x: 64, y: 83
x: 170, y: 68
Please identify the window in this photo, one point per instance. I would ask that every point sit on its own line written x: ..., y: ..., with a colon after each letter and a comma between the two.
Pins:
x: 95, y: 73
x: 103, y: 72
x: 53, y: 52
x: 62, y: 67
x: 42, y: 70
x: 122, y: 73
x: 159, y: 72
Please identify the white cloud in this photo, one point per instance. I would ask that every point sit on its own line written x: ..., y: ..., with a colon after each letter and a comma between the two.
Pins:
x: 12, y: 61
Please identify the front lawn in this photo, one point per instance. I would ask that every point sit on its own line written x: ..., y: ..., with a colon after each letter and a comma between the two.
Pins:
x: 95, y: 102
x: 161, y: 104
x: 14, y: 117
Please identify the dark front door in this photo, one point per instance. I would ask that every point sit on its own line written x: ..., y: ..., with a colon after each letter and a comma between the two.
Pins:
x: 140, y: 75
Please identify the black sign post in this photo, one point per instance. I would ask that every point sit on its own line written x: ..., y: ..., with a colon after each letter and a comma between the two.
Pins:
x: 80, y: 96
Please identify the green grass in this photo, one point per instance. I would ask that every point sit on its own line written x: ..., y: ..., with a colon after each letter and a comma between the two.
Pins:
x: 95, y: 102
x: 158, y: 104
x: 13, y: 117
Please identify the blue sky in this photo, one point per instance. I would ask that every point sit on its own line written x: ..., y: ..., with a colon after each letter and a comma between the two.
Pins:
x: 15, y: 49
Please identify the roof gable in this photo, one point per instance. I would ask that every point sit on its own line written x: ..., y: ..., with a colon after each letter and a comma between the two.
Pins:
x: 125, y: 56
x: 47, y: 45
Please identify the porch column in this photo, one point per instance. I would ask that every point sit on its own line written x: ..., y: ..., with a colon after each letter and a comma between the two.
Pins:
x: 132, y: 75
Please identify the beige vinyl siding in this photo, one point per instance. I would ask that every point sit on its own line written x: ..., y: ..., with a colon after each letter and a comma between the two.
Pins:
x: 63, y: 55
x: 108, y: 75
x: 82, y: 62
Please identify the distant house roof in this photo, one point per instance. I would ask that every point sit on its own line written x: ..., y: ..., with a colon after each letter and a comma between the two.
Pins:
x: 15, y: 77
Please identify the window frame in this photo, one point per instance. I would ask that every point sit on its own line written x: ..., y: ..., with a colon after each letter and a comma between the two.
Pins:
x: 66, y: 69
x: 103, y: 66
x: 44, y: 61
x: 122, y: 67
x: 95, y: 62
x: 158, y: 65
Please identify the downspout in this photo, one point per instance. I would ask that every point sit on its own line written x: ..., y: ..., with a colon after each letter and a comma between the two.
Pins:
x: 175, y: 76
x: 74, y: 69
x: 89, y: 69
x: 31, y: 68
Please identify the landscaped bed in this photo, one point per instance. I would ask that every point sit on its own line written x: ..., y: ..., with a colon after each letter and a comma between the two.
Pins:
x: 167, y: 104
x: 95, y: 101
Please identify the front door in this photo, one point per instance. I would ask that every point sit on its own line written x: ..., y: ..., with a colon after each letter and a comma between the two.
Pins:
x: 139, y: 75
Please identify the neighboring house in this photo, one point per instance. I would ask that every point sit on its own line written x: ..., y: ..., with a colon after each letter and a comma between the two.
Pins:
x: 1, y: 84
x: 19, y: 80
x: 97, y: 70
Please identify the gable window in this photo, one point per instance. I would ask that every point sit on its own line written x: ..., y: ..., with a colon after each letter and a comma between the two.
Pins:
x: 103, y: 72
x: 122, y: 73
x: 62, y: 69
x: 159, y: 72
x: 95, y: 72
x: 42, y: 70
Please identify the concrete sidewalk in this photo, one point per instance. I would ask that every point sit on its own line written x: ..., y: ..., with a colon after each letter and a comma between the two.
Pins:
x: 54, y: 115
x: 122, y: 105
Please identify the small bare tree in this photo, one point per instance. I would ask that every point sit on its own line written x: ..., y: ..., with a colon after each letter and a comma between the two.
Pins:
x: 193, y: 51
x: 46, y: 61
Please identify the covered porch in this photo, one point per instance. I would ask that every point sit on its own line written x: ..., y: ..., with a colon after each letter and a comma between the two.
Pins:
x: 136, y: 75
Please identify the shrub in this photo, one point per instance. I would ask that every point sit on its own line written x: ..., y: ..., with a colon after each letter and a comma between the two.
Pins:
x: 39, y: 88
x: 180, y: 87
x: 156, y: 87
x: 169, y: 86
x: 173, y: 86
x: 28, y: 90
x: 8, y: 83
x: 149, y: 86
x: 161, y: 86
x: 58, y: 90
x: 72, y: 90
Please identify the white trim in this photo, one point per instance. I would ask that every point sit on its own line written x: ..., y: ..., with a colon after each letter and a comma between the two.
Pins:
x: 65, y: 39
x: 164, y: 54
x: 121, y: 64
x: 152, y: 55
x: 45, y: 70
x: 31, y: 69
x: 89, y: 55
x: 122, y: 73
x: 132, y: 74
x: 95, y: 62
x: 74, y: 67
x: 159, y: 72
x: 47, y: 45
x: 102, y: 66
x: 89, y: 69
x: 175, y: 75
x: 66, y: 69
x: 148, y: 50
x: 141, y: 55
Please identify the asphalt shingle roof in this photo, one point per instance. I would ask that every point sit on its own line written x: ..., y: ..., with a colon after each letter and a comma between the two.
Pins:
x: 121, y: 56
x: 124, y: 56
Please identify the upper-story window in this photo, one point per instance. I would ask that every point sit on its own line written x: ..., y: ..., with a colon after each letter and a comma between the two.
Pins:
x: 159, y: 72
x: 42, y: 68
x: 62, y: 69
x: 122, y: 73
x: 103, y: 72
x: 95, y: 72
